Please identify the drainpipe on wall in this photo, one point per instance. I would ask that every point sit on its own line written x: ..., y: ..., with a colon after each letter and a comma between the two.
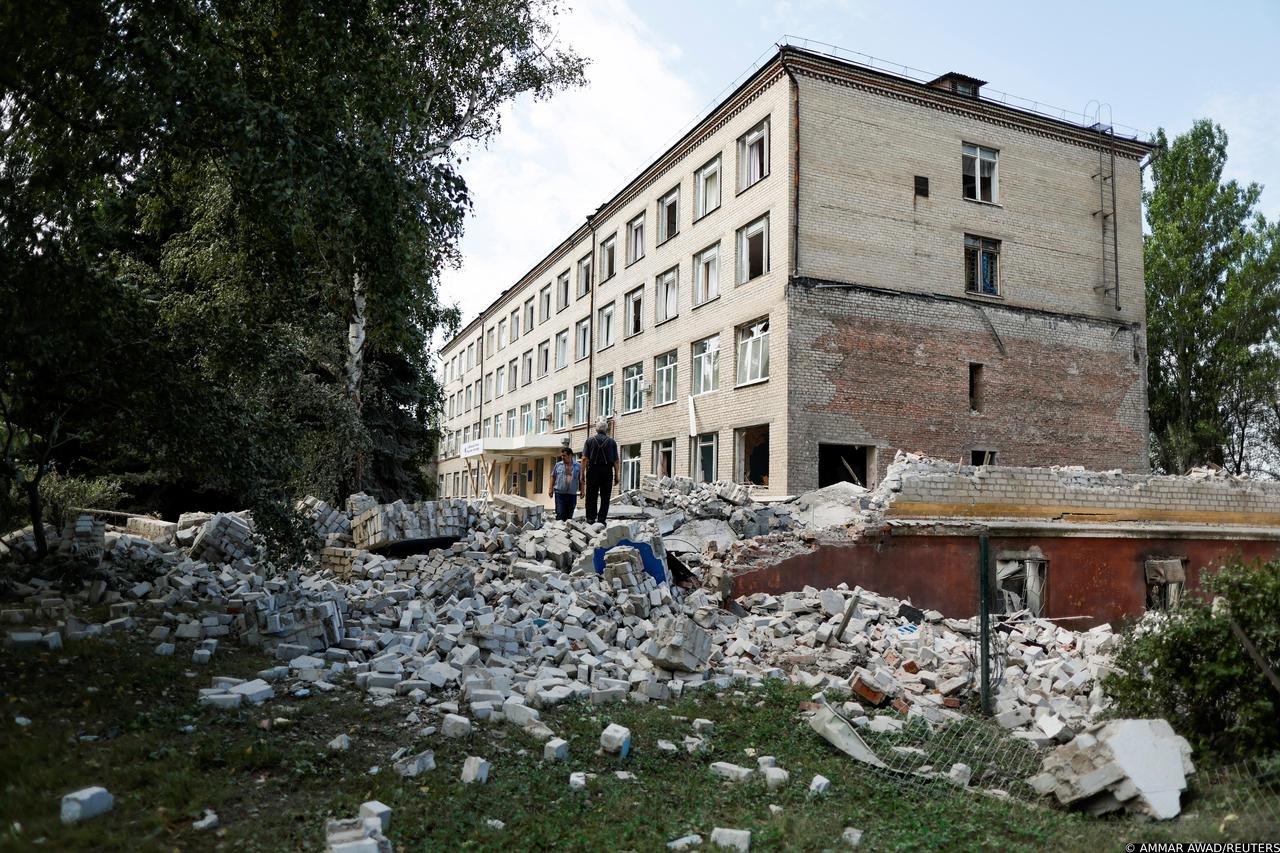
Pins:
x: 591, y: 321
x: 795, y: 153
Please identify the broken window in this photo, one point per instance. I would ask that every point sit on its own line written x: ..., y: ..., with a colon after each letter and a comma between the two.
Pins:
x: 664, y: 457
x: 753, y: 155
x: 753, y: 352
x: 752, y: 449
x: 844, y: 463
x: 982, y: 457
x: 703, y: 457
x: 981, y: 265
x: 980, y: 181
x: 706, y: 365
x: 1020, y: 585
x: 975, y: 387
x: 753, y: 249
x: 669, y: 215
x: 634, y: 319
x: 1166, y: 579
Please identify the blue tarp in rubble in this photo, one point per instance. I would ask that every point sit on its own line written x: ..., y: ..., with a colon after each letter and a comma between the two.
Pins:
x: 652, y: 565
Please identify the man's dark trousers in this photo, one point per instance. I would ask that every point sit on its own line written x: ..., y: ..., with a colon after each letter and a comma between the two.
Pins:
x: 566, y: 503
x: 599, y: 487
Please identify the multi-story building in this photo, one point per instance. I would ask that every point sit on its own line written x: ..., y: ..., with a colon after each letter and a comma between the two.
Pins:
x: 835, y: 263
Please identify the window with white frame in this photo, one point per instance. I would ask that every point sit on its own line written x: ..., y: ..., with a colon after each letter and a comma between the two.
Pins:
x: 560, y: 407
x: 980, y: 173
x: 608, y: 257
x: 582, y: 339
x: 471, y: 355
x: 488, y: 387
x: 604, y: 395
x: 706, y: 365
x: 544, y: 304
x: 499, y: 381
x: 488, y: 428
x: 466, y: 433
x: 526, y: 419
x: 753, y: 155
x: 663, y: 457
x: 604, y: 327
x: 664, y: 375
x: 584, y: 276
x: 580, y: 393
x: 667, y: 303
x: 633, y: 388
x: 562, y: 291
x: 515, y: 325
x: 512, y: 376
x: 528, y: 315
x: 502, y: 333
x: 633, y: 318
x: 511, y: 422
x: 669, y: 215
x: 753, y: 352
x: 526, y: 367
x: 562, y: 349
x: 468, y: 408
x: 544, y: 358
x: 488, y: 340
x: 753, y: 249
x: 702, y: 457
x: 542, y: 415
x: 497, y: 426
x: 706, y: 275
x: 630, y: 457
x: 635, y: 239
x: 706, y: 188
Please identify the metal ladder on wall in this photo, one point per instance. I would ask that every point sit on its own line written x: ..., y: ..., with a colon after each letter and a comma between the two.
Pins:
x: 1109, y: 280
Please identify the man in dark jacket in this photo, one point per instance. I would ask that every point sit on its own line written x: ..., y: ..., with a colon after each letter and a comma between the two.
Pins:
x: 601, y: 455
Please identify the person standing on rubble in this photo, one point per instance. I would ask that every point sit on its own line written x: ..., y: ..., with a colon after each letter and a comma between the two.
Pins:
x: 566, y: 482
x: 601, y: 453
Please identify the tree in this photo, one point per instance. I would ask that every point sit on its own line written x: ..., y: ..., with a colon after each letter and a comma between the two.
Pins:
x: 1213, y: 304
x: 223, y: 229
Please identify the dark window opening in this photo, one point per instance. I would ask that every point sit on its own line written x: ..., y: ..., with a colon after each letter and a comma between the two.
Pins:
x: 922, y: 186
x: 1020, y: 585
x: 981, y: 265
x: 982, y: 457
x: 844, y: 463
x: 1166, y: 579
x: 755, y: 255
x: 753, y: 455
x: 975, y: 387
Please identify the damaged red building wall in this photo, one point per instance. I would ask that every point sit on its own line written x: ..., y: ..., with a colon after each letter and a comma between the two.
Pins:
x: 1100, y: 578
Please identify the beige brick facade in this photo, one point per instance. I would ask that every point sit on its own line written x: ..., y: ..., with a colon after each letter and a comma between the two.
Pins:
x: 861, y: 141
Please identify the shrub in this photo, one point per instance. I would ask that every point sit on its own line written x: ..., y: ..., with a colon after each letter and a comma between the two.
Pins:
x: 60, y: 493
x: 1188, y: 666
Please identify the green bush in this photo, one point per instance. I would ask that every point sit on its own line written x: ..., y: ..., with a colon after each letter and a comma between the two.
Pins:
x: 60, y: 494
x: 1190, y: 668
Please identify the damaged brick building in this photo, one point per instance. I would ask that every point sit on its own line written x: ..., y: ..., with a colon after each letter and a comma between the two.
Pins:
x: 904, y: 264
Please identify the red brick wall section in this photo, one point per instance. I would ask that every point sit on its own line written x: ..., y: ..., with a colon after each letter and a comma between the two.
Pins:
x: 893, y: 371
x: 1098, y: 578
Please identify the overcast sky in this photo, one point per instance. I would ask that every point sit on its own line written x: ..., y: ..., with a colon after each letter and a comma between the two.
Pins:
x: 656, y: 65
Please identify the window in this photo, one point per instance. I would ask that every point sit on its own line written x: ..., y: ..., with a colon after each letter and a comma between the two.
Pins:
x: 751, y: 449
x: 664, y: 373
x: 604, y: 326
x: 634, y: 318
x: 975, y: 387
x: 980, y: 180
x: 630, y: 466
x: 584, y: 276
x: 633, y: 388
x: 562, y: 349
x: 468, y: 408
x: 544, y: 358
x: 466, y: 433
x: 512, y: 375
x: 488, y: 340
x: 702, y: 457
x: 753, y: 352
x: 982, y: 457
x: 635, y: 239
x: 502, y: 333
x: 471, y: 356
x: 560, y: 406
x: 608, y: 257
x: 981, y: 265
x: 544, y: 304
x: 511, y: 422
x: 582, y: 339
x: 526, y: 369
x: 669, y: 215
x: 488, y: 387
x: 526, y: 420
x: 488, y: 427
x: 499, y: 381
x: 753, y: 155
x: 542, y: 416
x: 753, y: 249
x: 706, y: 365
x: 1166, y: 579
x: 562, y: 291
x: 706, y: 275
x: 1020, y: 585
x: 706, y: 189
x: 668, y: 295
x: 604, y: 395
x: 515, y: 325
x: 528, y: 315
x: 497, y: 426
x: 664, y: 457
x: 580, y: 393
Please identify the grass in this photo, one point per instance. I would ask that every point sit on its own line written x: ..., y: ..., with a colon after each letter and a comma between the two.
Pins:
x: 166, y: 760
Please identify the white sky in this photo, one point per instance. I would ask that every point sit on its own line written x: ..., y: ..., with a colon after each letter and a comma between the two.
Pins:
x: 657, y: 64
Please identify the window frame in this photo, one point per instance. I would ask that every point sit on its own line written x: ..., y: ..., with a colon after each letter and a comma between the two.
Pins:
x: 700, y: 208
x: 761, y: 128
x: 609, y: 245
x: 629, y: 466
x: 527, y: 423
x: 560, y: 411
x: 696, y: 443
x: 635, y: 248
x: 604, y: 341
x: 669, y: 200
x: 696, y: 370
x: 627, y: 300
x: 581, y: 403
x: 513, y: 375
x: 584, y: 275
x: 699, y: 284
x: 514, y: 326
x: 530, y: 314
x: 544, y: 303
x: 606, y: 411
x: 979, y: 154
x: 633, y: 388
x: 758, y: 225
x: 543, y: 365
x: 984, y: 245
x: 561, y: 352
x: 659, y: 448
x: 564, y: 291
x: 581, y: 351
x: 661, y: 300
x: 665, y: 375
x: 527, y: 364
x: 542, y: 415
x: 758, y: 342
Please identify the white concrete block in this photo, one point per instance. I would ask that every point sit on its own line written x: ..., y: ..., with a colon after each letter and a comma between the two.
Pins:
x: 85, y: 804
